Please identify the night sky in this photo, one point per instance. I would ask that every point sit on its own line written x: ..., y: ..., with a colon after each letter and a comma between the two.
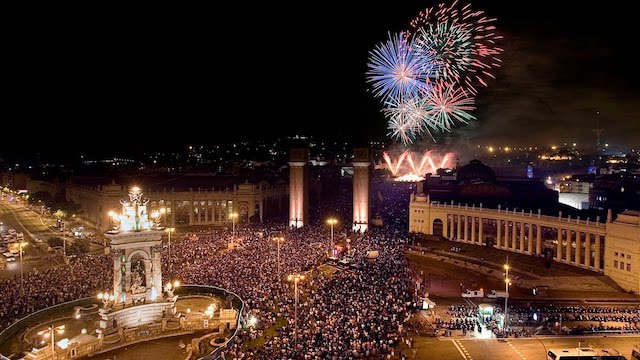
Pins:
x: 172, y: 77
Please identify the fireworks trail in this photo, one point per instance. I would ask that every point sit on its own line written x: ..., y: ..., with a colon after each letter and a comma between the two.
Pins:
x: 447, y: 104
x: 394, y: 168
x: 396, y: 71
x: 426, y: 77
x: 408, y: 119
x: 461, y: 41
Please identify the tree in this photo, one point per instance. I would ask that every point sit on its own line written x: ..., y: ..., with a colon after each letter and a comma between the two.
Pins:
x: 55, y: 241
x: 79, y: 247
x: 41, y: 196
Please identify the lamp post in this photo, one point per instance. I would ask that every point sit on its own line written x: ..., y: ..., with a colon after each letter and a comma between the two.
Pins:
x: 163, y: 212
x: 296, y: 278
x: 106, y: 298
x: 50, y: 332
x: 22, y: 244
x: 171, y: 287
x: 169, y: 231
x: 332, y: 222
x: 233, y: 224
x: 278, y: 240
x: 506, y: 298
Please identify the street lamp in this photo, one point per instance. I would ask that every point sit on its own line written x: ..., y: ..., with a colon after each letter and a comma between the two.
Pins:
x: 332, y: 222
x: 50, y: 332
x: 278, y: 240
x: 170, y: 230
x: 22, y: 244
x: 233, y: 224
x: 171, y: 287
x: 106, y: 298
x: 506, y: 298
x: 296, y: 278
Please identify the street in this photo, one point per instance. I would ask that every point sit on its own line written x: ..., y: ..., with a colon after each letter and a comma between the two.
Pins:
x: 32, y: 225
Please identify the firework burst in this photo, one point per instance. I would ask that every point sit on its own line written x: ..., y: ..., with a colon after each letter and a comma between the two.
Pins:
x: 408, y: 118
x: 462, y: 43
x: 448, y: 104
x: 396, y: 71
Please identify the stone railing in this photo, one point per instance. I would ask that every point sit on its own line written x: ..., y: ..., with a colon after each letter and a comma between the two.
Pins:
x: 45, y: 315
x: 66, y: 310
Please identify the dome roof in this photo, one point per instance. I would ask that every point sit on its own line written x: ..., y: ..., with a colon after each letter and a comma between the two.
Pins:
x: 475, y: 170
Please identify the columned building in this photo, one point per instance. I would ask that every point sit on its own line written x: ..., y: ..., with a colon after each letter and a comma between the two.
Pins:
x: 183, y: 204
x: 361, y: 183
x: 298, y: 187
x: 611, y: 247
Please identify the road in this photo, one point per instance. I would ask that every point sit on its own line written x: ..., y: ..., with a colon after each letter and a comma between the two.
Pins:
x: 535, y: 348
x: 18, y: 217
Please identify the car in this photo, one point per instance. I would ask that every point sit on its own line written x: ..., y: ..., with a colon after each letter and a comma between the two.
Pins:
x: 473, y: 294
x: 11, y: 259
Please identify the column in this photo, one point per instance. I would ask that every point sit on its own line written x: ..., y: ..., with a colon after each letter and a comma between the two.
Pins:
x: 498, y: 233
x: 530, y: 240
x: 261, y: 206
x: 559, y: 246
x: 206, y: 211
x: 473, y: 229
x: 449, y: 226
x: 506, y: 234
x: 567, y: 255
x: 191, y: 212
x: 514, y: 239
x: 587, y: 251
x: 361, y: 175
x: 480, y: 233
x: 596, y: 265
x: 117, y: 273
x: 157, y: 268
x: 127, y: 276
x: 148, y: 275
x: 538, y: 240
x: 459, y: 228
x: 522, y: 237
x: 298, y: 187
x: 578, y: 253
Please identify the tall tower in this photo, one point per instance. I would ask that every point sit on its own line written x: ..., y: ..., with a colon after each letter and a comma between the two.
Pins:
x: 136, y: 247
x: 361, y: 179
x: 298, y: 187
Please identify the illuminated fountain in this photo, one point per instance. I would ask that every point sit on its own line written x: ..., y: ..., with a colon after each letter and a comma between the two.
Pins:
x: 412, y: 172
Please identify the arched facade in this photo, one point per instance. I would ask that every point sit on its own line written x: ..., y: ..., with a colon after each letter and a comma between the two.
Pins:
x: 609, y: 248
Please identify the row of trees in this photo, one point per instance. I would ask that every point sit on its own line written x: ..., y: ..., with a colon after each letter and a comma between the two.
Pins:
x: 74, y: 246
x: 57, y: 202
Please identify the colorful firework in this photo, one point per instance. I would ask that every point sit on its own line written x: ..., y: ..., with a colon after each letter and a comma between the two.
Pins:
x: 408, y: 118
x: 396, y: 71
x: 461, y: 41
x: 448, y: 104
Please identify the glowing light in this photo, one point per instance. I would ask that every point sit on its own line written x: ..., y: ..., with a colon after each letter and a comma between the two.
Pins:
x: 396, y: 71
x: 63, y: 344
x: 461, y: 41
x: 409, y: 178
x: 448, y: 104
x: 252, y: 321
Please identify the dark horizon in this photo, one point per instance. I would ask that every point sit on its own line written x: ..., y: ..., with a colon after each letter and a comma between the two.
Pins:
x: 276, y: 70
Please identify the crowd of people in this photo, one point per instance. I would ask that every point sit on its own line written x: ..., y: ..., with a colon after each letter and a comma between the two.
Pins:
x: 82, y: 277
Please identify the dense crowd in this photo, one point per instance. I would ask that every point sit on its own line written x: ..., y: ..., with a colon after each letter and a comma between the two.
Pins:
x: 82, y: 277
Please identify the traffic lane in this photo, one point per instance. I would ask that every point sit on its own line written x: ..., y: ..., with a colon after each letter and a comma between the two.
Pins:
x: 432, y: 348
x: 536, y: 348
x: 23, y: 217
x: 501, y: 349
